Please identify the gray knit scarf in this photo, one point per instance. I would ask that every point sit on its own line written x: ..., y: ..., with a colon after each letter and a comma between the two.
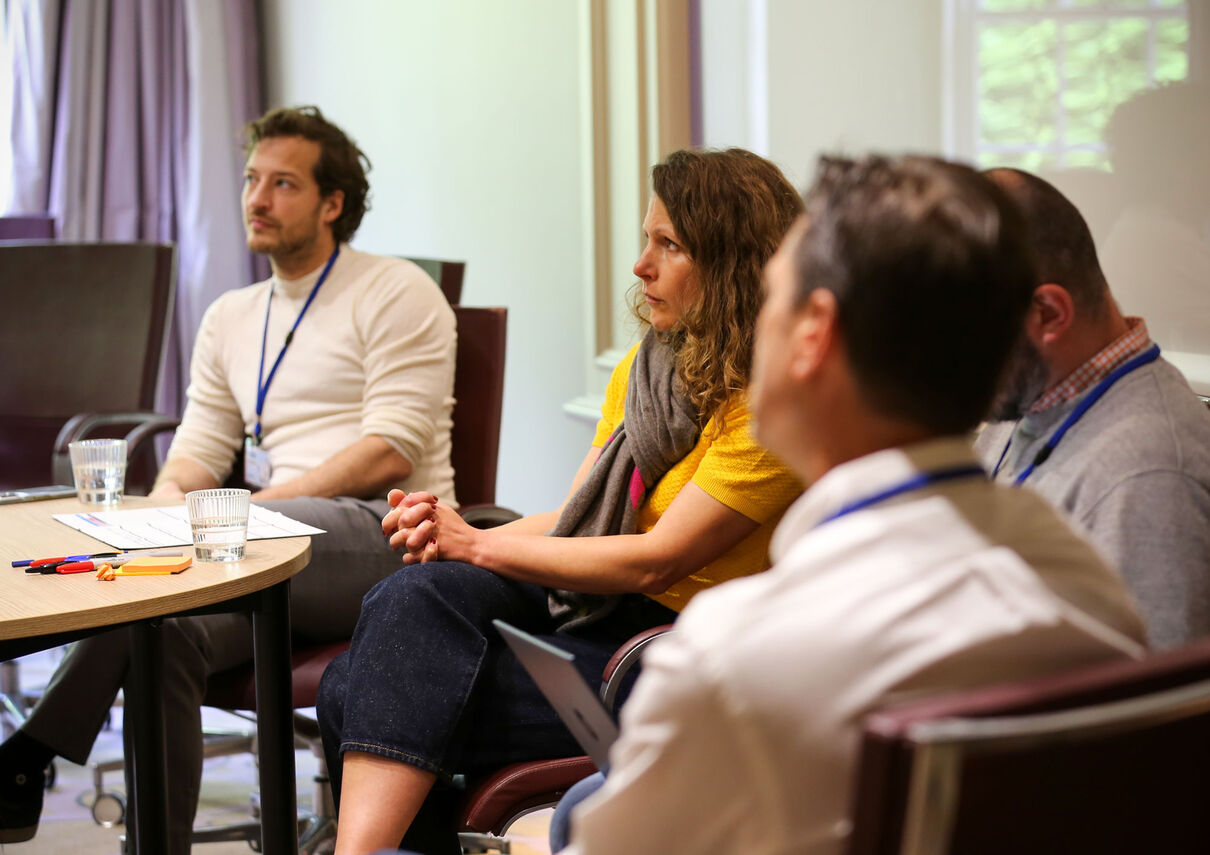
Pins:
x: 659, y: 427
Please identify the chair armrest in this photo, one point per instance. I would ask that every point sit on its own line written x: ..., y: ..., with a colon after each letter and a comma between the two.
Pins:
x: 624, y: 659
x: 82, y: 425
x: 147, y: 431
x: 487, y: 516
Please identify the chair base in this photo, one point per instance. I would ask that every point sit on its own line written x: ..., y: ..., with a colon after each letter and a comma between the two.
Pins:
x: 474, y: 844
x: 109, y: 808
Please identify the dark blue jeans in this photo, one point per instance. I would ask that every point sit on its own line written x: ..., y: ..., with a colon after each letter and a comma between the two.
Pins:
x: 429, y: 682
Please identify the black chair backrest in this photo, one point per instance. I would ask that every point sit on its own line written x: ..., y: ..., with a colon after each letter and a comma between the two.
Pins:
x: 27, y: 227
x: 479, y: 393
x: 447, y: 274
x: 1104, y: 759
x: 82, y: 330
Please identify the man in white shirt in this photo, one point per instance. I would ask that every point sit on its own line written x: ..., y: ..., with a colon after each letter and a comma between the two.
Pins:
x: 336, y: 378
x: 891, y: 308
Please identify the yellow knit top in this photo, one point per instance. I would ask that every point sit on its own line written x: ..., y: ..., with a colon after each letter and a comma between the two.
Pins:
x: 730, y: 467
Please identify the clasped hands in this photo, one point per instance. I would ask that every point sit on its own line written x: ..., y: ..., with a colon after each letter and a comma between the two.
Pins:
x: 425, y: 529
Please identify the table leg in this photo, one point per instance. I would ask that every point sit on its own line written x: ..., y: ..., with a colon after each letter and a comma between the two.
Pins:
x: 148, y: 768
x: 274, y: 716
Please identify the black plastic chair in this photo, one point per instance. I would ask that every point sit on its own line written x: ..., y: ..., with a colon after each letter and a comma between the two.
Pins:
x: 83, y: 329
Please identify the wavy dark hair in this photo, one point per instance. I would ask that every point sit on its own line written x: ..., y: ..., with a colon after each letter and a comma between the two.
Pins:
x: 341, y: 165
x: 730, y: 209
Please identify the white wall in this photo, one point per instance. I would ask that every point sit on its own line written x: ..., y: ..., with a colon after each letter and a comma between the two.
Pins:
x: 473, y: 116
x: 792, y: 79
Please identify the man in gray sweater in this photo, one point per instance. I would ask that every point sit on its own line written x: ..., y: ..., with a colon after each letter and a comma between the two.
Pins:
x: 1093, y: 419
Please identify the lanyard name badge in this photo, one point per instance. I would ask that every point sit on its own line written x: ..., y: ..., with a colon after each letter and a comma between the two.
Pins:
x: 1151, y: 354
x: 916, y: 482
x: 258, y: 470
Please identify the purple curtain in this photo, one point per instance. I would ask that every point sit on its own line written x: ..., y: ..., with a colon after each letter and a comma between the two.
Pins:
x: 126, y: 126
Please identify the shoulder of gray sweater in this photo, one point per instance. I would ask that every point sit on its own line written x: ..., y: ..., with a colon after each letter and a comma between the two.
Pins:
x: 1149, y: 419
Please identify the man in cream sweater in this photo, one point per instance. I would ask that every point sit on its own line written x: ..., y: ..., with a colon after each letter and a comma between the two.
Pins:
x: 335, y: 376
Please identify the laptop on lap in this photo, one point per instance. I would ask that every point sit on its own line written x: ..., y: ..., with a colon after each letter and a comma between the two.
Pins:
x: 574, y: 700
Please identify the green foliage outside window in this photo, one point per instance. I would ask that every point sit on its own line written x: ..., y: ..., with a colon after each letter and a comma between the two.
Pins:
x: 1048, y: 85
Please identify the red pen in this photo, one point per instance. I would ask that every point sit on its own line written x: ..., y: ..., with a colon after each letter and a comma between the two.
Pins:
x: 42, y: 562
x: 78, y: 566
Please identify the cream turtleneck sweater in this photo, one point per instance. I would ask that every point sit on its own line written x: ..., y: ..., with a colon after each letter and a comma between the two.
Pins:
x: 373, y: 356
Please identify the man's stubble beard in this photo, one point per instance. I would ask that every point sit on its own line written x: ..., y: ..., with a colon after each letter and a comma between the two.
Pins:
x: 1024, y: 382
x: 288, y: 248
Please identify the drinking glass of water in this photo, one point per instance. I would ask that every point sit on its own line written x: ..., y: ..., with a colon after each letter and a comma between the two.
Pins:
x: 219, y: 519
x: 99, y: 467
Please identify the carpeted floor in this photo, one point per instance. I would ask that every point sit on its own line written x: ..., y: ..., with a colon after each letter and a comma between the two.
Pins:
x: 67, y: 824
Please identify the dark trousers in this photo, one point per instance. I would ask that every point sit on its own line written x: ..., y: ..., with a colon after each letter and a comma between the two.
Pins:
x: 429, y: 682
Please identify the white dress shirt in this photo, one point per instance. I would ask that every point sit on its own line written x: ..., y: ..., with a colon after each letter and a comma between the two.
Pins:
x: 741, y: 733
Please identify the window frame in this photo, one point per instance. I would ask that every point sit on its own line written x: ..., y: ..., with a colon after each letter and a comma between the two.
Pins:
x: 963, y: 21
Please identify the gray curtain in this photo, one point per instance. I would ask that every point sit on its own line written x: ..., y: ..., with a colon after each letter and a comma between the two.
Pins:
x: 126, y: 126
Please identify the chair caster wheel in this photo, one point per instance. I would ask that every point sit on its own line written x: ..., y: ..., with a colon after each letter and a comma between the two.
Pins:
x: 108, y: 810
x: 52, y: 774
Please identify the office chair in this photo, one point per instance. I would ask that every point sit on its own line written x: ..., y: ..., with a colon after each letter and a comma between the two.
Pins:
x: 83, y: 328
x: 1108, y: 759
x: 27, y: 227
x: 447, y: 274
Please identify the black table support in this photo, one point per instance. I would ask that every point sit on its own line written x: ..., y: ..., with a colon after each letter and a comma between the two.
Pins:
x: 145, y: 705
x: 274, y: 717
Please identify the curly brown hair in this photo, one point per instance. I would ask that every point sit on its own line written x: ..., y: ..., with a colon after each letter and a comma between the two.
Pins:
x: 730, y: 209
x: 341, y: 165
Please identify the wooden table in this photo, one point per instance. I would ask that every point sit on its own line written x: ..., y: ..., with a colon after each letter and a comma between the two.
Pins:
x: 37, y: 612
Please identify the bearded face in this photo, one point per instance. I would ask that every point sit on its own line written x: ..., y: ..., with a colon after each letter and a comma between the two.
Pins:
x: 1024, y: 382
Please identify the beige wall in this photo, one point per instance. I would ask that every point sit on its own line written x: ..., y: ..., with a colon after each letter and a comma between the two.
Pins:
x: 472, y: 113
x: 792, y: 79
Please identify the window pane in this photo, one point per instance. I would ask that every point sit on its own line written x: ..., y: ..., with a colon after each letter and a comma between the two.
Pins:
x: 1014, y: 5
x: 1106, y: 63
x: 1017, y: 84
x: 1171, y: 51
x: 1033, y: 161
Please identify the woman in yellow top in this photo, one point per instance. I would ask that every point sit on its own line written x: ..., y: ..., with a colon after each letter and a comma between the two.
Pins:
x: 674, y: 496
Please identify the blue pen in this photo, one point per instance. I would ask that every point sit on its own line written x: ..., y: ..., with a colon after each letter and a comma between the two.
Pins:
x: 26, y: 562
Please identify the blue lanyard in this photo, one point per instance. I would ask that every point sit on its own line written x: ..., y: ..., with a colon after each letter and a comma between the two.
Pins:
x: 916, y: 482
x: 262, y: 386
x: 1151, y: 354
